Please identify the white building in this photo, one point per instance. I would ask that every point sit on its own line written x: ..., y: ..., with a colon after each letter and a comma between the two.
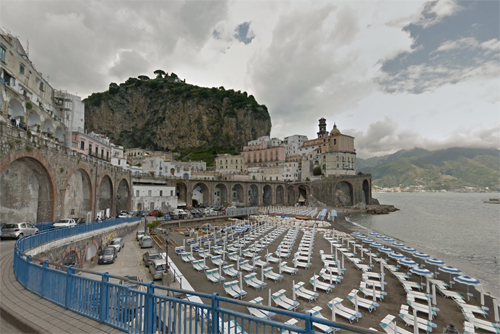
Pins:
x: 117, y: 156
x: 153, y: 197
x: 292, y: 144
x: 227, y: 163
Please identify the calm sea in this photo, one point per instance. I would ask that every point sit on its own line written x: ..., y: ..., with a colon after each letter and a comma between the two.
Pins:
x: 457, y: 228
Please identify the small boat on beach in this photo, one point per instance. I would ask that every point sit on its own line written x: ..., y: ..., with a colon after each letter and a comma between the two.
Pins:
x: 493, y: 201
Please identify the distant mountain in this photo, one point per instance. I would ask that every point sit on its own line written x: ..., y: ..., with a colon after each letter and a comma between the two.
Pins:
x: 446, y: 169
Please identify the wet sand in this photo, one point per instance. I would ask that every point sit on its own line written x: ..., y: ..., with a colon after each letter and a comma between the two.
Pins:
x: 396, y: 295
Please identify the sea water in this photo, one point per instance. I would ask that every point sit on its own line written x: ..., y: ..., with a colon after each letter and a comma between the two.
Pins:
x: 457, y: 228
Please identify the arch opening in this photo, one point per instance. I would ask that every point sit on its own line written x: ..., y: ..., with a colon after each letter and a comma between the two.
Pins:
x: 302, y: 195
x: 220, y: 195
x: 16, y: 109
x: 267, y: 196
x: 238, y: 196
x: 181, y: 192
x: 366, y: 192
x: 253, y: 195
x: 122, y: 196
x: 70, y: 259
x: 105, y: 197
x: 280, y: 200
x: 200, y: 194
x: 33, y: 119
x: 344, y: 194
x: 291, y: 196
x: 77, y: 198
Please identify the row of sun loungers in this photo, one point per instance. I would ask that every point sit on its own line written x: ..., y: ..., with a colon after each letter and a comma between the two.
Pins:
x: 287, y: 269
x: 251, y: 280
x: 230, y: 271
x: 269, y: 274
x: 321, y: 285
x: 283, y: 301
x: 344, y: 312
x: 480, y: 323
x: 214, y: 276
x: 302, y: 292
x: 409, y: 320
x: 233, y: 289
x: 368, y: 304
x: 260, y: 313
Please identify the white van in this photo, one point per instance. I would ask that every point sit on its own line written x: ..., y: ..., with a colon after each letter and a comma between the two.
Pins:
x: 157, y: 267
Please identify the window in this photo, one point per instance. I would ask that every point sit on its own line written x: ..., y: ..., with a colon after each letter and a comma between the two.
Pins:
x: 82, y: 145
x: 2, y: 53
x: 161, y: 193
x: 335, y: 142
x: 102, y: 153
x: 151, y: 163
x: 171, y: 193
x: 149, y: 192
x: 21, y: 68
x: 41, y: 86
x: 137, y: 193
x: 90, y: 148
x: 119, y: 162
x: 107, y: 157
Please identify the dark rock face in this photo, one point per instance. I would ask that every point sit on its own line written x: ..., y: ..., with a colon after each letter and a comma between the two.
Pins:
x: 164, y: 114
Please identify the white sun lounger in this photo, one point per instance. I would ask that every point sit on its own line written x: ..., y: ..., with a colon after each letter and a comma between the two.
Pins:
x: 377, y: 284
x: 315, y: 312
x: 260, y: 313
x: 233, y: 256
x: 185, y: 257
x: 268, y: 273
x: 301, y: 264
x: 230, y: 271
x: 411, y: 285
x: 321, y: 285
x: 423, y: 324
x: 302, y: 292
x: 451, y: 294
x: 270, y: 258
x: 282, y: 301
x: 246, y: 266
x: 325, y: 275
x: 259, y: 263
x: 230, y: 327
x: 402, y: 277
x: 422, y: 308
x: 371, y: 275
x: 438, y: 283
x: 343, y: 311
x: 218, y: 261
x: 480, y: 323
x: 198, y: 265
x: 213, y: 275
x: 368, y: 292
x: 392, y: 268
x: 230, y: 291
x: 334, y: 270
x: 388, y: 324
x: 370, y: 305
x: 287, y: 269
x: 469, y: 328
x: 282, y: 254
x: 325, y: 256
x: 179, y: 250
x: 363, y: 267
x: 251, y: 280
x: 218, y: 250
x: 292, y: 322
x: 236, y: 287
x: 299, y: 257
x: 473, y: 309
x: 418, y: 295
x: 247, y: 253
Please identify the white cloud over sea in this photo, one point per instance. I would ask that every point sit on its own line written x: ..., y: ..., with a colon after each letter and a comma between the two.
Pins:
x: 395, y: 74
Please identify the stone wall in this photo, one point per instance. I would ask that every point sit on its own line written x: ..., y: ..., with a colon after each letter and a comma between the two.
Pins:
x: 38, y: 174
x: 343, y: 190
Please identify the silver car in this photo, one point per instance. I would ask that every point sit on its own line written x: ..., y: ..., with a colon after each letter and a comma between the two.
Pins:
x: 118, y: 243
x: 146, y: 242
x: 157, y: 267
x: 18, y: 230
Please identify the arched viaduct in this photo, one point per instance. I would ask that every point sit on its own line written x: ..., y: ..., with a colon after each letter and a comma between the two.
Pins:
x: 42, y: 181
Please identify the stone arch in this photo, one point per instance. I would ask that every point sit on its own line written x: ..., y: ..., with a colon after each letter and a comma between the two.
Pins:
x: 220, y: 194
x: 91, y: 250
x: 47, y: 126
x: 59, y: 134
x: 78, y: 193
x: 33, y: 120
x: 181, y: 192
x: 253, y: 195
x: 41, y: 259
x: 27, y: 188
x: 104, y: 196
x: 343, y: 194
x: 122, y: 196
x: 16, y: 108
x: 71, y: 257
x: 366, y: 191
x: 200, y: 195
x: 291, y: 195
x: 303, y: 194
x: 267, y: 195
x: 280, y: 198
x: 238, y: 195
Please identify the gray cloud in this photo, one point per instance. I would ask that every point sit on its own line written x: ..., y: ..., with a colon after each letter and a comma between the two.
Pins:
x: 243, y: 33
x: 129, y: 63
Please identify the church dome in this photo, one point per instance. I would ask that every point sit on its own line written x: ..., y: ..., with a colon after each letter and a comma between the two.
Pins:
x: 335, y: 130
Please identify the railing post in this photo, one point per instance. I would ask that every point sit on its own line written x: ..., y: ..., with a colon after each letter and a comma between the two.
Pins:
x: 309, y: 323
x: 69, y: 287
x: 149, y: 311
x: 215, y: 313
x: 27, y: 271
x: 44, y: 270
x: 104, y: 298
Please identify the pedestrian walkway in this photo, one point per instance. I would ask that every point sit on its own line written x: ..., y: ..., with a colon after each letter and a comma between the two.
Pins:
x: 33, y: 314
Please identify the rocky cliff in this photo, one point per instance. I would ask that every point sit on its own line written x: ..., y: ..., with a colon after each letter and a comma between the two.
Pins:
x: 166, y: 114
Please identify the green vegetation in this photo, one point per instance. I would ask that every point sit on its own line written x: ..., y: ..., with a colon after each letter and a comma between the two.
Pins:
x: 205, y: 154
x: 436, y: 170
x: 317, y: 171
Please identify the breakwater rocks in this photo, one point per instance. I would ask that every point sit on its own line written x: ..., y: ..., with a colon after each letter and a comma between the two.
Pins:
x: 380, y: 209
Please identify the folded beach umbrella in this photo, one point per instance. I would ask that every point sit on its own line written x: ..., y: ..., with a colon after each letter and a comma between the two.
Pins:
x: 376, y: 244
x: 368, y: 240
x: 422, y: 272
x: 356, y: 233
x: 408, y: 263
x: 386, y: 250
x: 422, y: 255
x: 450, y: 270
x: 408, y: 249
x: 374, y: 234
x: 396, y: 256
x: 380, y: 236
x: 387, y: 239
x: 398, y: 244
x: 467, y: 280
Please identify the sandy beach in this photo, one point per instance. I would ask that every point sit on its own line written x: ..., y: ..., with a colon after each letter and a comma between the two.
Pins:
x: 396, y: 295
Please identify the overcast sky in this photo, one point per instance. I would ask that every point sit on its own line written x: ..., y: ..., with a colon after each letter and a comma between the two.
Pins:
x: 394, y: 74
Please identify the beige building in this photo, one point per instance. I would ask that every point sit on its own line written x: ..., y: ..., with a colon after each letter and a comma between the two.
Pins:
x: 227, y: 163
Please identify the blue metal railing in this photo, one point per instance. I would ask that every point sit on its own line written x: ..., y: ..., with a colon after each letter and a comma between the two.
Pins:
x: 102, y: 298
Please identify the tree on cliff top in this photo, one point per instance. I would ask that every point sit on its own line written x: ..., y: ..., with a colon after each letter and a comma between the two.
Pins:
x: 159, y: 73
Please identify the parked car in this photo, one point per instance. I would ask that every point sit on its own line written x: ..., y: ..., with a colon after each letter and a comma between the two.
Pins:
x: 108, y: 255
x: 146, y: 242
x: 139, y: 235
x: 18, y: 230
x: 80, y: 221
x: 157, y: 267
x: 118, y: 243
x: 150, y: 255
x: 173, y: 215
x: 153, y: 213
x: 188, y: 208
x: 67, y: 222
